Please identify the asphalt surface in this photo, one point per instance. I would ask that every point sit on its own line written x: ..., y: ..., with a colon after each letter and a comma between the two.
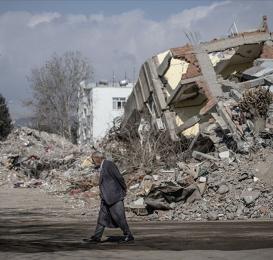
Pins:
x: 34, y: 225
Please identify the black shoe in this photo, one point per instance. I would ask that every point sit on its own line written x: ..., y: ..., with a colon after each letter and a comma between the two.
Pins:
x: 126, y: 239
x: 92, y: 240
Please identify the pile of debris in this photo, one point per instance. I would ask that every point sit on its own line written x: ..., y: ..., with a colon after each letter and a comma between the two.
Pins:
x: 210, y: 189
x: 170, y: 183
x: 30, y: 159
x: 203, y: 187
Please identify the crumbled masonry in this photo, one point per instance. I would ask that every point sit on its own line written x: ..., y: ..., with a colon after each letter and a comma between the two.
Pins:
x: 234, y: 187
x: 33, y: 159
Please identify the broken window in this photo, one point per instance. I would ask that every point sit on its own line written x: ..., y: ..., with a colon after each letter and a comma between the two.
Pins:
x: 118, y: 103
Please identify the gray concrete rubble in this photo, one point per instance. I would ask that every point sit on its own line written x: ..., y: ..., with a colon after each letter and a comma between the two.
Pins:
x: 209, y: 189
x: 221, y: 90
x: 34, y: 159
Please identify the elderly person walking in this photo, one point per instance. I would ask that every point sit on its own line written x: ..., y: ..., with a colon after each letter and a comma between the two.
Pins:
x: 112, y: 192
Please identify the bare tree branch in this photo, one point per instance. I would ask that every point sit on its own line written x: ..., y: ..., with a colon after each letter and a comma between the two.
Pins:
x: 55, y: 86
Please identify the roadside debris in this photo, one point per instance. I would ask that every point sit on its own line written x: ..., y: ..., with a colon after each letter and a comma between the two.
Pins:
x: 188, y: 190
x: 224, y: 192
x: 33, y: 159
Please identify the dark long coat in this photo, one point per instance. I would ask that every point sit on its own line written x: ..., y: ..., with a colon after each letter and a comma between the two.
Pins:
x: 113, y: 191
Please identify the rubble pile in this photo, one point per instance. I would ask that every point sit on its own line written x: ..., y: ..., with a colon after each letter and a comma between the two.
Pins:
x: 221, y: 189
x: 144, y: 151
x: 225, y: 183
x: 30, y: 159
x: 209, y: 186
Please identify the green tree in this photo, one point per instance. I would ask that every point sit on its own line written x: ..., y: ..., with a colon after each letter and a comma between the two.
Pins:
x: 5, y: 120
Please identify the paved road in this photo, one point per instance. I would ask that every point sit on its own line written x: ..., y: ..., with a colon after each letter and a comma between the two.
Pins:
x: 34, y: 225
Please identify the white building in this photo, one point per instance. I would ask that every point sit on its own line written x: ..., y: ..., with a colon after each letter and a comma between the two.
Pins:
x: 99, y: 104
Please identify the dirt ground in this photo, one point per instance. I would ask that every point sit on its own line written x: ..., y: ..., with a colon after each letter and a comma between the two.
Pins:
x: 35, y: 225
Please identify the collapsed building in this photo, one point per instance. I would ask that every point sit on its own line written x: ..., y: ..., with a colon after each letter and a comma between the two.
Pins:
x: 199, y: 89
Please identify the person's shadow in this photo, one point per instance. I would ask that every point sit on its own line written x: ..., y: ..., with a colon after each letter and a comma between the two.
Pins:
x: 112, y: 239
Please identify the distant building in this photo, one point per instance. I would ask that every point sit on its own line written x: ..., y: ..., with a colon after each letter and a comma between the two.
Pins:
x: 99, y: 104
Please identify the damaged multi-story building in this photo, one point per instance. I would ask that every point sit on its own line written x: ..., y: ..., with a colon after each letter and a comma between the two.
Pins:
x: 192, y: 90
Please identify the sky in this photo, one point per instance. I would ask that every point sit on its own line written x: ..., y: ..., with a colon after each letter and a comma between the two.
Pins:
x: 116, y: 36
